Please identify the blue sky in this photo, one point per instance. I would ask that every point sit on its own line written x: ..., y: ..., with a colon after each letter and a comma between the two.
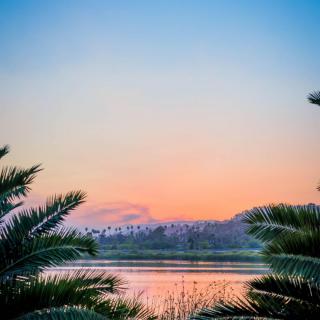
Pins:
x: 165, y: 105
x: 38, y: 35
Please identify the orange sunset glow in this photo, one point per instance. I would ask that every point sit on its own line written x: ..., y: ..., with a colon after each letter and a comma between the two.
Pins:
x: 194, y: 125
x: 159, y: 159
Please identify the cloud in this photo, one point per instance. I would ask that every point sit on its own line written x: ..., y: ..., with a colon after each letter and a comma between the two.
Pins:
x: 130, y: 217
x: 111, y: 213
x: 104, y: 214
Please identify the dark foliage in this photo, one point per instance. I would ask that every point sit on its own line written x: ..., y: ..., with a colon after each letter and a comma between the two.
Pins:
x: 201, y: 235
x: 32, y: 240
x: 291, y: 291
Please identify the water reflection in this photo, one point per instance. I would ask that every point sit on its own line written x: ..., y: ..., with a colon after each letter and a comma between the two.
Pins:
x: 156, y: 278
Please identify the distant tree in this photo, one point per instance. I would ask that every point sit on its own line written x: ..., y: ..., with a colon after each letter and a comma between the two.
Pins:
x: 191, y: 243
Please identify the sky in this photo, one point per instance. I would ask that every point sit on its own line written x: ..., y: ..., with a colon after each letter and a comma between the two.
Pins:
x: 162, y: 110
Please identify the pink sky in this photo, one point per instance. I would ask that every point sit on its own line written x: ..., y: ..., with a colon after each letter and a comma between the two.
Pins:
x: 163, y: 111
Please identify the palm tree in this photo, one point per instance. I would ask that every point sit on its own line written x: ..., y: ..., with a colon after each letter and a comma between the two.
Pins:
x: 33, y: 240
x: 291, y: 237
x: 292, y: 290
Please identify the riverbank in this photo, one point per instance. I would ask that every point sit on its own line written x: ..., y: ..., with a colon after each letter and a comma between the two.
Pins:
x: 229, y: 255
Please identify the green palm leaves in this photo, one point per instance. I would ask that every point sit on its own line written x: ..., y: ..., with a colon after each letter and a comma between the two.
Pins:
x: 292, y: 290
x: 32, y: 240
x: 294, y: 247
x: 314, y: 97
x: 14, y: 184
x: 291, y: 237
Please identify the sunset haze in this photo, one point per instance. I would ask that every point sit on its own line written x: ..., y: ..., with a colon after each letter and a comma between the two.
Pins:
x: 163, y: 111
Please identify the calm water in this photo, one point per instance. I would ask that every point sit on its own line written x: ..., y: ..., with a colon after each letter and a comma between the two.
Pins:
x: 156, y: 278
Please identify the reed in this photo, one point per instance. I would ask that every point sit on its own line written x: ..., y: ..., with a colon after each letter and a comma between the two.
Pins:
x: 180, y: 303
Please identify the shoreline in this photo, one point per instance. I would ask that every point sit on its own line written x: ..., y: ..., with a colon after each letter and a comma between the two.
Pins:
x: 222, y: 256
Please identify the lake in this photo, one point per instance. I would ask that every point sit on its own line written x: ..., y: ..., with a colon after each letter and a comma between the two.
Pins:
x: 157, y: 278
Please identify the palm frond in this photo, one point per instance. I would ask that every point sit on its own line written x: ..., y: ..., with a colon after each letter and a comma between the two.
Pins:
x: 250, y: 309
x: 304, y: 245
x: 16, y: 181
x: 296, y: 265
x: 14, y: 184
x: 292, y: 291
x: 49, y: 250
x: 121, y: 307
x: 62, y: 313
x: 82, y: 289
x: 34, y: 222
x: 7, y: 207
x: 32, y: 241
x: 4, y: 150
x: 89, y: 281
x: 314, y: 97
x: 263, y: 303
x: 289, y: 288
x: 267, y: 223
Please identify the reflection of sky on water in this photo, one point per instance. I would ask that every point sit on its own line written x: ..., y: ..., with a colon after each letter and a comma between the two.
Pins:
x: 168, y: 266
x: 156, y: 278
x: 172, y: 269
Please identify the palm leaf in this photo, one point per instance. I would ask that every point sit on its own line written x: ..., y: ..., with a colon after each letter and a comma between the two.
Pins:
x: 291, y: 235
x: 296, y: 265
x: 314, y: 97
x: 124, y: 308
x: 31, y: 241
x: 86, y: 280
x: 82, y: 289
x: 37, y: 221
x: 62, y: 313
x: 288, y: 288
x: 7, y: 207
x: 4, y: 150
x: 250, y: 309
x: 15, y: 182
x: 269, y: 222
x: 49, y: 250
x: 302, y: 244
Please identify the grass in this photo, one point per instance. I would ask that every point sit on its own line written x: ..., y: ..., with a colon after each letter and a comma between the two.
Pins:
x: 180, y: 303
x: 234, y: 255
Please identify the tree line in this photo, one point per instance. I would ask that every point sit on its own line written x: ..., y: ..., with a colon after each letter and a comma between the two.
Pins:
x: 199, y: 235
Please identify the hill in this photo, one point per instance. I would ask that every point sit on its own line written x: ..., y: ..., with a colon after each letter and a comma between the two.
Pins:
x: 179, y: 235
